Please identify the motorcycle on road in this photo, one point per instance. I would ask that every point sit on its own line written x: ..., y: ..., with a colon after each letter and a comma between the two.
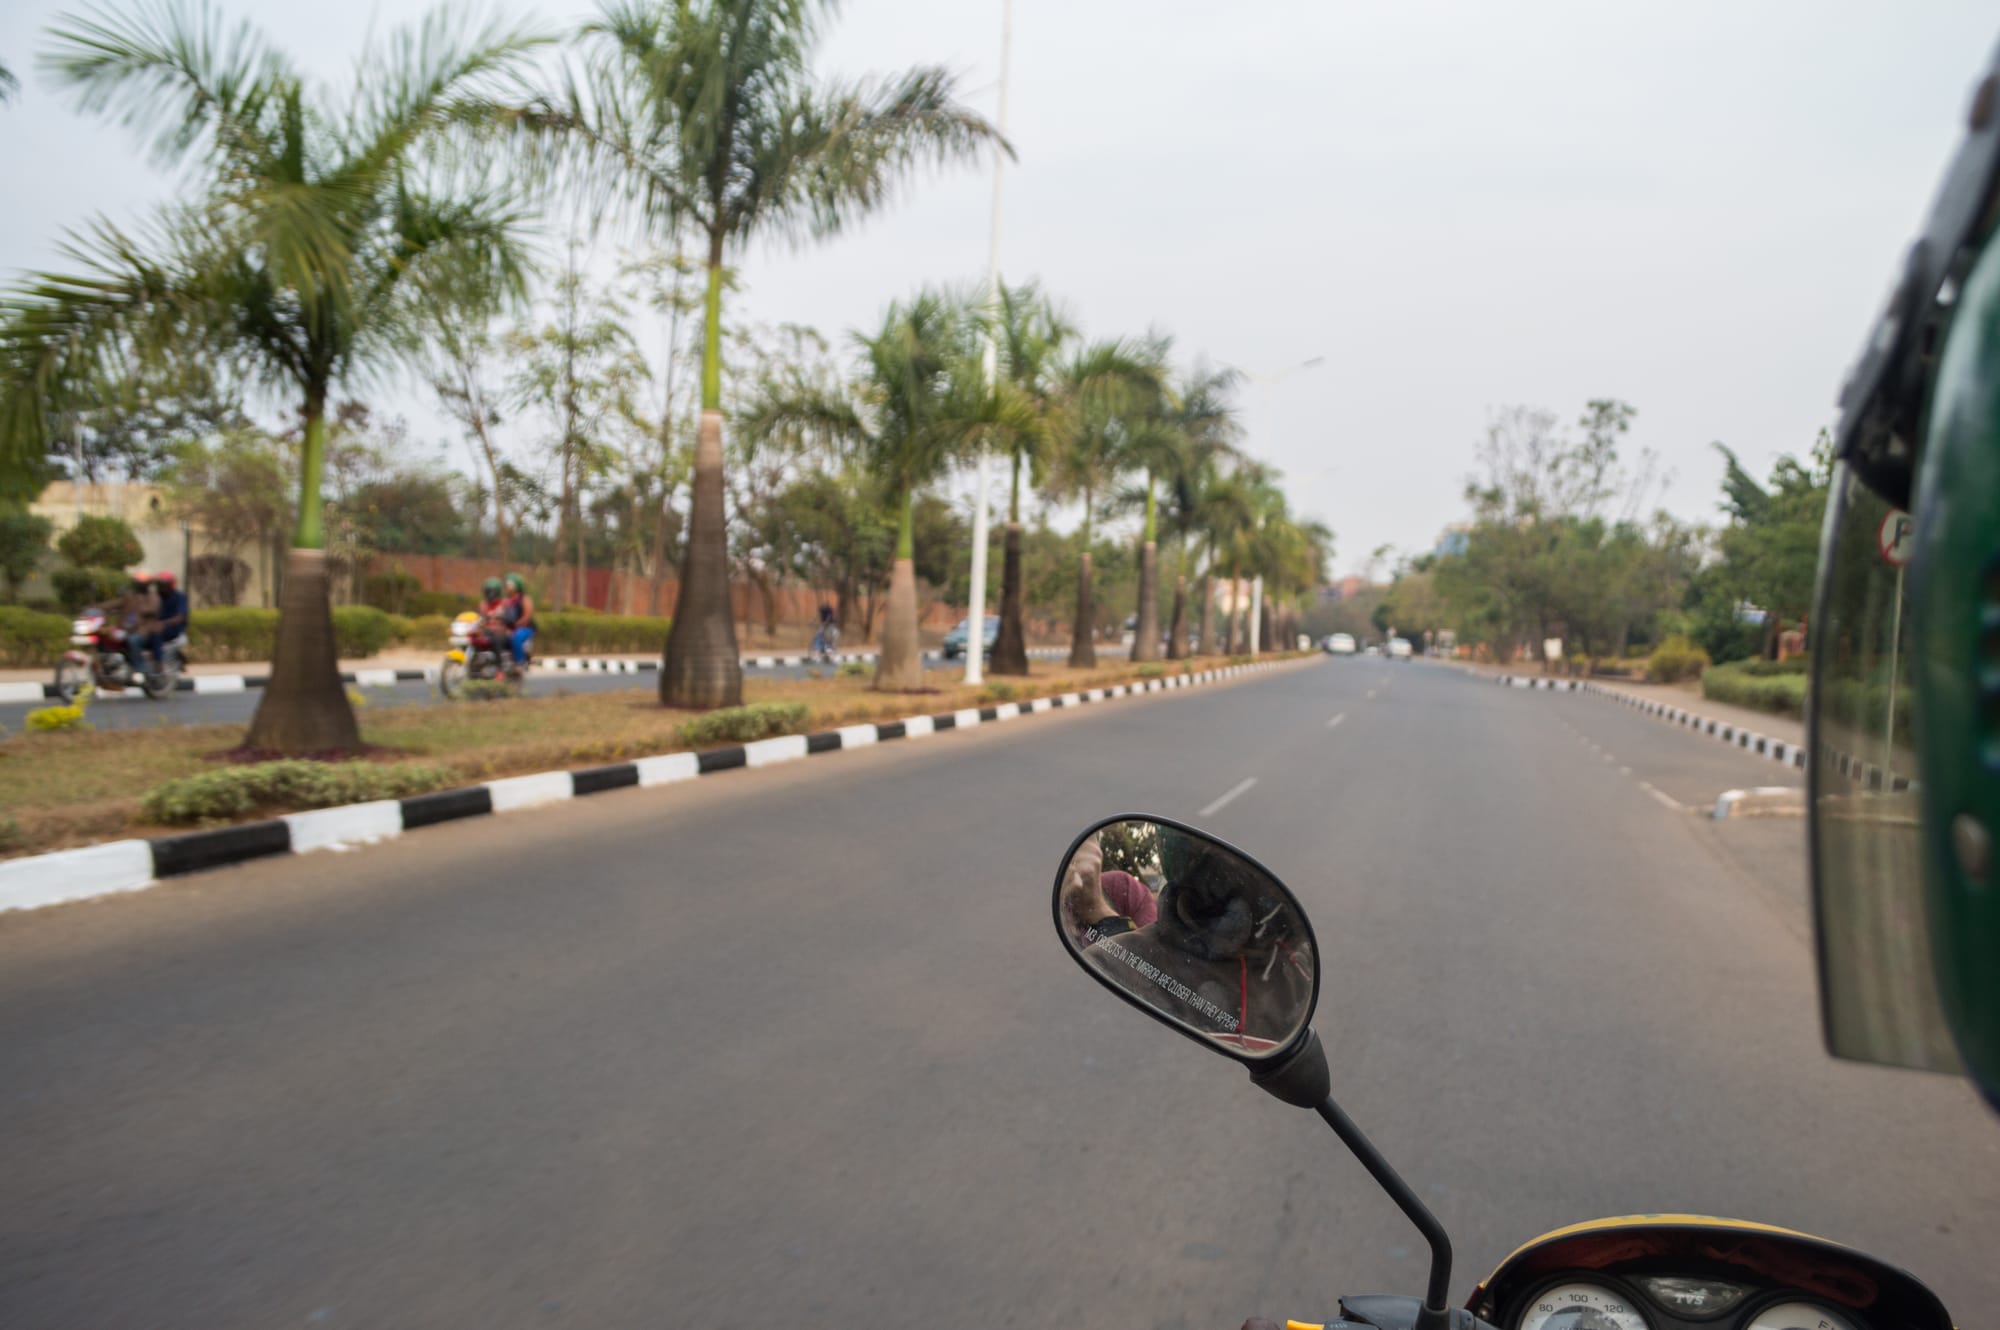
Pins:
x: 97, y: 657
x: 479, y: 653
x: 1228, y: 959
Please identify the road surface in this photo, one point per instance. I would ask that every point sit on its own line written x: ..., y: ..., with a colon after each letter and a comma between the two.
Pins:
x: 798, y: 1046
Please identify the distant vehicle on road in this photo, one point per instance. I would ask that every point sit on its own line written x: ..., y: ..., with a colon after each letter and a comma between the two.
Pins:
x: 954, y: 641
x: 1399, y: 648
x: 1372, y: 650
x: 1340, y: 644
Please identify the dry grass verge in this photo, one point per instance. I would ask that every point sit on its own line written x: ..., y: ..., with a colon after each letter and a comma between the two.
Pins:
x: 71, y: 788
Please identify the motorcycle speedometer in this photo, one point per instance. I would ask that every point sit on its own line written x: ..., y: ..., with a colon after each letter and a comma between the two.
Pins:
x: 1582, y: 1306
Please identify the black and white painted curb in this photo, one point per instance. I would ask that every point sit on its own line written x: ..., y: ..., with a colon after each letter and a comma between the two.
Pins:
x: 130, y: 865
x: 1764, y: 801
x: 1778, y: 750
x: 243, y: 683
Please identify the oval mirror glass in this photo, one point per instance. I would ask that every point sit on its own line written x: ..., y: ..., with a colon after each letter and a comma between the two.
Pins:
x: 1191, y: 930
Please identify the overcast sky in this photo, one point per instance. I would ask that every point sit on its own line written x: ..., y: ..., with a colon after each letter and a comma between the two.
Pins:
x: 1695, y: 207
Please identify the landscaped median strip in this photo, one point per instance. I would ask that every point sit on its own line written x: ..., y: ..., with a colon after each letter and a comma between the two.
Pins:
x: 128, y: 865
x: 241, y: 683
x: 1778, y: 750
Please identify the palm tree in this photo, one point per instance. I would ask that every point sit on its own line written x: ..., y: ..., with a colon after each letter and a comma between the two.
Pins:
x: 920, y: 404
x: 1030, y: 333
x: 326, y: 230
x: 1106, y: 387
x: 1199, y: 430
x: 707, y: 114
x: 1219, y: 507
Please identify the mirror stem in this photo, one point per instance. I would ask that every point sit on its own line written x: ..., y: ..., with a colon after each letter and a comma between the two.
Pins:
x: 1435, y: 1314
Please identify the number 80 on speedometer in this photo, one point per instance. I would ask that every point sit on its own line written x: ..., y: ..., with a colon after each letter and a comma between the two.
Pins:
x: 1581, y: 1307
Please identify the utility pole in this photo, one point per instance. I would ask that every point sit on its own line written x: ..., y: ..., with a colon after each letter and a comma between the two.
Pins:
x: 975, y: 615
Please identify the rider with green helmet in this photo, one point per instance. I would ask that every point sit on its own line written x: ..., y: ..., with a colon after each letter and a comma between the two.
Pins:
x: 1904, y: 726
x: 517, y: 611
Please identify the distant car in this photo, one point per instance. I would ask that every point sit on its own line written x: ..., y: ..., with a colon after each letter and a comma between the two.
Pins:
x: 1399, y: 648
x: 954, y: 641
x: 1373, y: 650
x: 1340, y: 644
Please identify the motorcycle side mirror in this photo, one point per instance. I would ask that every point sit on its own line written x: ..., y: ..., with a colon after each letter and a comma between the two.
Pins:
x: 1207, y: 941
x: 1193, y: 932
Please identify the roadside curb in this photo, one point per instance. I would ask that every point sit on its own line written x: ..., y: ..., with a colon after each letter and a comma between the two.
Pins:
x: 1764, y: 801
x: 131, y: 865
x: 1781, y: 751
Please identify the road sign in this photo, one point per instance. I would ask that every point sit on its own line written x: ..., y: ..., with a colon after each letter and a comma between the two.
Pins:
x: 1896, y: 538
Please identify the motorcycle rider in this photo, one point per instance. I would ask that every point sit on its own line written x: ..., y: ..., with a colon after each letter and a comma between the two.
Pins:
x: 170, y: 616
x: 517, y: 612
x: 129, y: 611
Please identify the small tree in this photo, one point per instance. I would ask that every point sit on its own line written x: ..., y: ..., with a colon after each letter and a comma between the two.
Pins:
x: 24, y: 538
x: 100, y: 542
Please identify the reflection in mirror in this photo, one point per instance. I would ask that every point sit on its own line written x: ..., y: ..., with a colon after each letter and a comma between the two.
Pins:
x: 1191, y: 930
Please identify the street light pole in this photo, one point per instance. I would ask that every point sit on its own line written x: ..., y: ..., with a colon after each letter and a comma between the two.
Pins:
x: 975, y: 618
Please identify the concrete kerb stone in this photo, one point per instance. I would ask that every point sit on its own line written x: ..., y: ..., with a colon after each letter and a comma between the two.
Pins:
x: 132, y: 865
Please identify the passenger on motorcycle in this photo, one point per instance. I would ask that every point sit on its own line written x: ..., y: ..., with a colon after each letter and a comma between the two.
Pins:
x: 517, y: 611
x: 130, y: 611
x: 170, y: 616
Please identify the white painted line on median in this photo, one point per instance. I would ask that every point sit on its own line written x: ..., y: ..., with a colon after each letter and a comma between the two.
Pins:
x: 20, y: 692
x: 544, y: 787
x: 1336, y: 720
x: 375, y: 678
x: 855, y: 736
x: 784, y: 748
x: 1663, y: 797
x: 1224, y: 802
x: 74, y: 875
x: 218, y: 683
x: 666, y: 768
x: 339, y: 828
x: 916, y: 727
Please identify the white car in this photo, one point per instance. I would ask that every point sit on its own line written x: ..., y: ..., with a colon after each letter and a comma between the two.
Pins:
x: 1399, y: 648
x: 1340, y: 644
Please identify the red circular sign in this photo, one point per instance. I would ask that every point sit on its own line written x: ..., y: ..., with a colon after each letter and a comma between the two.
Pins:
x: 1896, y: 537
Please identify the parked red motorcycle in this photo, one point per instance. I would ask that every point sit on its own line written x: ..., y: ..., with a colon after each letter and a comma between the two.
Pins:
x: 97, y: 657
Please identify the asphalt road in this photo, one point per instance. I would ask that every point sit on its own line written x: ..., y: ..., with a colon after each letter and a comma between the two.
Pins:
x: 798, y: 1047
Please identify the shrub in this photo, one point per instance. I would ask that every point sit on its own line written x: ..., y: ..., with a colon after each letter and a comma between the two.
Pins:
x: 390, y: 591
x: 24, y: 538
x: 78, y: 587
x: 44, y: 604
x: 759, y: 720
x: 10, y: 834
x: 1675, y: 659
x: 234, y: 792
x: 219, y: 579
x: 30, y: 638
x: 1151, y: 671
x: 851, y: 669
x: 100, y: 542
x: 1764, y: 669
x: 1782, y: 694
x: 361, y: 630
x: 425, y: 630
x: 235, y: 633
x: 48, y: 720
x: 447, y: 603
x: 569, y: 632
x: 997, y: 692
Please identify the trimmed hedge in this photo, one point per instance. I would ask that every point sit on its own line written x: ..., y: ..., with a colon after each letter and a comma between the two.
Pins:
x: 30, y: 639
x: 1675, y: 659
x: 1780, y: 694
x: 234, y: 792
x: 78, y: 587
x: 569, y: 632
x: 244, y: 634
x: 1764, y: 669
x: 736, y: 725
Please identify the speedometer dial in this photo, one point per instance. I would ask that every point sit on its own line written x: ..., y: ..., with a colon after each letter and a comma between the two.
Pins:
x: 1586, y: 1307
x: 1798, y: 1316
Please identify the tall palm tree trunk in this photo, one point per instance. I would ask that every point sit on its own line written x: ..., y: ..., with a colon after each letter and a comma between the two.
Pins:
x: 700, y: 667
x: 304, y: 709
x: 1010, y: 648
x: 1205, y: 643
x: 1231, y: 644
x: 900, y: 668
x: 1083, y: 637
x: 1177, y: 622
x: 1146, y: 633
